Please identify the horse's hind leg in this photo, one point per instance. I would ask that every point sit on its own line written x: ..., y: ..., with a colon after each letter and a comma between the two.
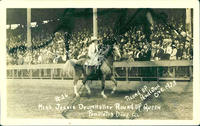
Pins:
x: 115, y: 82
x: 85, y: 83
x: 103, y: 86
x: 87, y: 87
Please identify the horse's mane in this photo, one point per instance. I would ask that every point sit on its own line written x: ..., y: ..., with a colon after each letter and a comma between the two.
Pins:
x: 109, y: 57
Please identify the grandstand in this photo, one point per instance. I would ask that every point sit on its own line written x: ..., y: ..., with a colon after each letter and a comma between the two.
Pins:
x: 165, y: 43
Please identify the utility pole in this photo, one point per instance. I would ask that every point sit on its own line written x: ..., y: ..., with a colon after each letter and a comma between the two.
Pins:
x: 188, y: 20
x: 29, y: 42
x: 95, y: 26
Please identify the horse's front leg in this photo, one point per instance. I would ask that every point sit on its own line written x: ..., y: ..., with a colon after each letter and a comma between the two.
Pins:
x: 75, y: 88
x: 103, y: 86
x: 85, y: 83
x: 115, y: 82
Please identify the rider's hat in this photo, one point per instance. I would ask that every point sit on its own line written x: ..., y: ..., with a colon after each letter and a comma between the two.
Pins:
x: 93, y: 39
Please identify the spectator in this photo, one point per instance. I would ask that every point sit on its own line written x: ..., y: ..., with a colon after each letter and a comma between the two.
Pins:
x: 133, y: 44
x: 153, y: 50
x: 185, y: 56
x: 20, y: 60
x: 28, y: 58
x: 159, y: 53
x: 179, y: 53
x: 147, y: 54
x: 168, y: 51
x: 173, y: 54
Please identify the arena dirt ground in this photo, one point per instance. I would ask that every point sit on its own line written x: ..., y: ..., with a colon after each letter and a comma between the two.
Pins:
x: 24, y: 96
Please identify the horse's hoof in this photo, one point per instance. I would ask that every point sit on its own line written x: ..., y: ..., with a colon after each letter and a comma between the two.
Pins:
x: 104, y: 96
x: 89, y: 92
x: 112, y: 92
x: 77, y: 95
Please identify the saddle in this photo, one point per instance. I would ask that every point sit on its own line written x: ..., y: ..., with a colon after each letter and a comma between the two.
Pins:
x: 93, y: 72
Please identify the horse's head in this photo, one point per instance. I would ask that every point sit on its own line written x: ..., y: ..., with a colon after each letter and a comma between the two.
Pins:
x: 116, y: 52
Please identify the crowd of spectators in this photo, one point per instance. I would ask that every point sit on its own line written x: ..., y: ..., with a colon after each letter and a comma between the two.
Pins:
x: 164, y: 44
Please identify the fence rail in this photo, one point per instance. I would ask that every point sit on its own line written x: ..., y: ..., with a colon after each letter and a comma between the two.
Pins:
x: 160, y: 70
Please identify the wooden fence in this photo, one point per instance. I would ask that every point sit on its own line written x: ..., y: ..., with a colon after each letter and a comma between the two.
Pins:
x: 159, y: 70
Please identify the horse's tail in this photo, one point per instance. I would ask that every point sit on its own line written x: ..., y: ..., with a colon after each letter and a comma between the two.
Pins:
x: 69, y: 68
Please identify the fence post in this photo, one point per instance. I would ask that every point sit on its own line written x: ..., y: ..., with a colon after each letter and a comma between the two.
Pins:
x: 21, y: 72
x: 17, y: 74
x: 60, y: 73
x: 126, y: 73
x: 31, y: 73
x: 157, y: 74
x: 52, y: 73
x: 38, y: 73
x: 13, y: 73
x: 190, y: 72
x: 174, y: 72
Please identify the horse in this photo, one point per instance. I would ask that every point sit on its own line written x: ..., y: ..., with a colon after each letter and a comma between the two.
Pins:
x: 75, y: 69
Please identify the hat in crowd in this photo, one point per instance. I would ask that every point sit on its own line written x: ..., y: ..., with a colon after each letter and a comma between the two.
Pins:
x: 60, y: 41
x: 157, y: 45
x: 188, y: 39
x: 181, y: 44
x: 167, y: 40
x: 57, y: 34
x: 173, y: 45
x: 183, y: 34
x: 153, y: 42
